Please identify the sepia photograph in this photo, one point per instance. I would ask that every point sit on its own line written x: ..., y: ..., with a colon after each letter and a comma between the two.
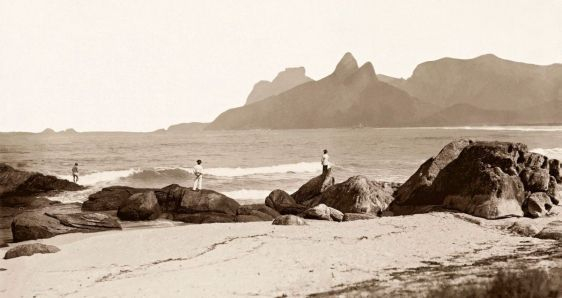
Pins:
x: 263, y: 148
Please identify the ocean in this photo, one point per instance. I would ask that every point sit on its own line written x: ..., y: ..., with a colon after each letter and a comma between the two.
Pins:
x: 247, y: 165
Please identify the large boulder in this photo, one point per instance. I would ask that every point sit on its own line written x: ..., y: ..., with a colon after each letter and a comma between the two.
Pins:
x: 314, y: 187
x: 30, y: 249
x: 486, y: 179
x: 289, y: 220
x: 537, y: 204
x: 283, y: 202
x: 553, y: 230
x: 489, y: 193
x: 323, y: 212
x: 110, y: 198
x: 21, y: 183
x: 38, y: 225
x: 140, y: 206
x: 359, y: 195
x: 206, y: 201
x: 417, y: 190
x: 483, y: 180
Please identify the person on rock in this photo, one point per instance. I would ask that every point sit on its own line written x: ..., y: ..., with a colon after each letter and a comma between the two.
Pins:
x: 75, y: 172
x: 198, y: 171
x: 325, y: 162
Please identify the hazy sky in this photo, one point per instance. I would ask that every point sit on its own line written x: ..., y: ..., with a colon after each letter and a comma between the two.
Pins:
x: 143, y: 65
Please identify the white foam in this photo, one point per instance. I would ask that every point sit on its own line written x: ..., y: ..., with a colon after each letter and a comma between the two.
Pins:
x: 504, y: 128
x: 301, y: 167
x: 549, y: 152
x: 102, y: 177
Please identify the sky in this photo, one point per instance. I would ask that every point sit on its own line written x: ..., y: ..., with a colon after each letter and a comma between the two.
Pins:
x: 134, y: 65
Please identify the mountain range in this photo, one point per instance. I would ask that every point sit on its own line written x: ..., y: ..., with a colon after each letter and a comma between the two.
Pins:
x: 485, y: 90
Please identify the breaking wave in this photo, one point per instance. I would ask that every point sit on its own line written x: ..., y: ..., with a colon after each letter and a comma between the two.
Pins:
x: 549, y: 152
x: 181, y: 173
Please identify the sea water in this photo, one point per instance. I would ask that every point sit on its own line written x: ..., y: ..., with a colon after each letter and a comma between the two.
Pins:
x: 247, y: 165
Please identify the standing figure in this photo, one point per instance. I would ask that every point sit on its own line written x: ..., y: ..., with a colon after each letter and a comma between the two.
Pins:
x: 325, y: 162
x: 198, y: 171
x: 75, y: 172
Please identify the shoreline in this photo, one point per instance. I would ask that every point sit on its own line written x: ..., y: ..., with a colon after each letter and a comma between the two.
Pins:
x: 267, y: 260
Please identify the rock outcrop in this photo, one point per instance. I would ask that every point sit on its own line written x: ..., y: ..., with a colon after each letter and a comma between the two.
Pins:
x: 289, y: 220
x: 21, y: 183
x: 314, y: 187
x: 140, y: 206
x: 38, y: 225
x: 110, y: 198
x: 283, y: 203
x: 417, y: 190
x: 358, y: 195
x: 485, y: 179
x: 29, y: 250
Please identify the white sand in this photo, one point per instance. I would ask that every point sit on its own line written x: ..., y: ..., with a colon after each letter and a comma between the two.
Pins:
x: 251, y: 259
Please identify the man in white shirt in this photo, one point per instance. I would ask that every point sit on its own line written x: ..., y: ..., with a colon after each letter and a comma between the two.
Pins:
x: 198, y: 171
x: 325, y: 162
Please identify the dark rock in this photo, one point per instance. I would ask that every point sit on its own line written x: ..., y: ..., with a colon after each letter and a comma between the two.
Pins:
x: 535, y: 160
x: 535, y: 179
x: 289, y: 220
x: 205, y: 217
x: 283, y: 203
x: 489, y: 193
x: 314, y: 187
x: 323, y: 212
x: 554, y: 191
x: 552, y: 231
x: 140, y: 206
x: 555, y: 171
x: 417, y: 189
x: 27, y: 202
x: 38, y: 225
x: 21, y: 183
x: 256, y: 212
x: 250, y: 209
x: 206, y: 201
x: 110, y: 198
x: 359, y: 195
x: 312, y: 202
x: 482, y: 180
x: 357, y: 216
x: 537, y: 204
x: 30, y: 249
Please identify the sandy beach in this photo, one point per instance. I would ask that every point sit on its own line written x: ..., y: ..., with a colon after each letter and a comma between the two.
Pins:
x: 262, y: 260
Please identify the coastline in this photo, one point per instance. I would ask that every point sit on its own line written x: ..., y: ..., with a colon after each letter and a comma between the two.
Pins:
x: 267, y: 260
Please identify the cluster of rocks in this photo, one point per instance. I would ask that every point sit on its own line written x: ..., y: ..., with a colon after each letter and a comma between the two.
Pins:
x: 321, y: 198
x: 176, y: 203
x: 485, y: 179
